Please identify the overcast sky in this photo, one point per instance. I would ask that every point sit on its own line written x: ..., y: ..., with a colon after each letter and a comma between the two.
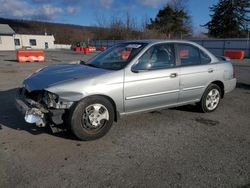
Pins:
x: 87, y: 12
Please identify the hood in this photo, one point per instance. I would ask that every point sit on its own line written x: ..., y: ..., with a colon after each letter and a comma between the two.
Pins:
x: 55, y: 74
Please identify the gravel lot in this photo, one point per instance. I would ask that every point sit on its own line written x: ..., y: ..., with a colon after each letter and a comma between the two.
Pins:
x: 177, y: 147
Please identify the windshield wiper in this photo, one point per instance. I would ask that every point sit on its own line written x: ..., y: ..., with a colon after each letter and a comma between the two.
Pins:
x: 91, y: 65
x: 82, y: 62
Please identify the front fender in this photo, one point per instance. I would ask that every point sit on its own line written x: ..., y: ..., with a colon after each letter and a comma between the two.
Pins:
x: 70, y: 96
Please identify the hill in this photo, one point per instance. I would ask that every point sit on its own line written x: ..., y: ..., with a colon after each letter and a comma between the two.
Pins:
x: 63, y: 33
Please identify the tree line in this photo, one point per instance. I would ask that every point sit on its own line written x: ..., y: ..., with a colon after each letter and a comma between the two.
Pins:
x: 229, y: 19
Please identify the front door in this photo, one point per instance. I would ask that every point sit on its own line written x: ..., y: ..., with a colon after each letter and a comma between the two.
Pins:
x: 153, y: 82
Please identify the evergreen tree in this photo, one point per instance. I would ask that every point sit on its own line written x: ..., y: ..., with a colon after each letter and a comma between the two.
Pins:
x: 173, y: 21
x: 230, y: 18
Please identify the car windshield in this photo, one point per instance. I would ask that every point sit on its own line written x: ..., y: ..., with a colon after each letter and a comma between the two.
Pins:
x: 116, y: 57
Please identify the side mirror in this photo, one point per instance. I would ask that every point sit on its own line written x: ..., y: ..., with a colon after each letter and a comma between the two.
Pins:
x: 137, y: 69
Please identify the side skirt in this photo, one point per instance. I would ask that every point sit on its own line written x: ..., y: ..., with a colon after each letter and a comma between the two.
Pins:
x: 160, y: 108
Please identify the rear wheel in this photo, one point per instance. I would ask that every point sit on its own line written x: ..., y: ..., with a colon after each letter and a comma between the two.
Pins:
x: 210, y: 99
x: 91, y: 118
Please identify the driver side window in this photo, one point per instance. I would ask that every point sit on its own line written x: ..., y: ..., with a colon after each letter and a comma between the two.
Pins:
x: 157, y: 57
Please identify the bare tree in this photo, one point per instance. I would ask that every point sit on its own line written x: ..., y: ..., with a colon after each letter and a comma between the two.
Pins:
x: 117, y: 27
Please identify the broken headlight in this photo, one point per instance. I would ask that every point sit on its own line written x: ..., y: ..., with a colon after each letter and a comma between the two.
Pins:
x: 54, y: 101
x: 50, y: 99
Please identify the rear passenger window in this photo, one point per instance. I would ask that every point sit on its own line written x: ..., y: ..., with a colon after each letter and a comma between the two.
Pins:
x: 205, y: 59
x: 190, y: 55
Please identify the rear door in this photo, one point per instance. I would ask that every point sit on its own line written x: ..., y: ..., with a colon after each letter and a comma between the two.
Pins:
x: 153, y: 82
x: 196, y: 72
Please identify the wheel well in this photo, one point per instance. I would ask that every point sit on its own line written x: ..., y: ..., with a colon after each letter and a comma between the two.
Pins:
x: 117, y: 114
x: 221, y: 85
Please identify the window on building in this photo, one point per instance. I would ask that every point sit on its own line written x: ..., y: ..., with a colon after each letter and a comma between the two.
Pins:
x: 17, y: 42
x: 32, y: 42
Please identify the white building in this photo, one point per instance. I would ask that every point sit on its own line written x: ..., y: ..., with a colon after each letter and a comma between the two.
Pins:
x: 9, y: 40
x: 6, y: 38
x: 34, y: 41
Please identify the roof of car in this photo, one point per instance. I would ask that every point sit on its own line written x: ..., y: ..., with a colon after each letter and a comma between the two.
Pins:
x: 152, y: 41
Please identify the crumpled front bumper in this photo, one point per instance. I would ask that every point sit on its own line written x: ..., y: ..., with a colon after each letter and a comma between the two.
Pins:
x: 32, y: 110
x: 39, y: 113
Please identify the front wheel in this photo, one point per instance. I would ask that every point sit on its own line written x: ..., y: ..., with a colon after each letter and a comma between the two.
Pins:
x: 210, y: 99
x: 91, y: 118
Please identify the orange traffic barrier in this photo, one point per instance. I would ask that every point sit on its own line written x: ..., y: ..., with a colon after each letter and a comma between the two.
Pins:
x: 125, y: 54
x: 234, y: 54
x: 30, y: 56
x: 183, y: 53
x: 77, y: 49
x: 85, y: 50
x: 92, y: 49
x: 103, y: 49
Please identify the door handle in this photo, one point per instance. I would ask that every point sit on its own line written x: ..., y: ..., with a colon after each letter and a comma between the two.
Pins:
x: 173, y: 75
x: 210, y: 70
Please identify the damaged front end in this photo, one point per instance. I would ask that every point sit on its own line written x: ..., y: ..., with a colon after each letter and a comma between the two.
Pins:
x: 42, y: 107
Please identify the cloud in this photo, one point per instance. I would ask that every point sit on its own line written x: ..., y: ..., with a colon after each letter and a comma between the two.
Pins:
x: 41, y: 1
x: 49, y: 12
x: 72, y: 10
x: 15, y: 8
x: 38, y: 9
x: 70, y: 2
x: 153, y: 3
x: 106, y: 3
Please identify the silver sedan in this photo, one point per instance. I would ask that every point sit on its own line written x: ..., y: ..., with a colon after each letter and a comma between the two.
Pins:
x: 127, y: 78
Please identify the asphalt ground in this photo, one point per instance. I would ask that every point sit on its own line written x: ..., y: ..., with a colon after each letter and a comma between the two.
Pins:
x: 178, y: 147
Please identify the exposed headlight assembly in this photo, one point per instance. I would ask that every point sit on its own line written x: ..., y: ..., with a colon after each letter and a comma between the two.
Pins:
x: 50, y: 99
x: 53, y: 101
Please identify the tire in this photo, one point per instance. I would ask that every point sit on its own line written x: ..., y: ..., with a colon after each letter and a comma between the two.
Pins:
x: 89, y: 120
x: 210, y: 99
